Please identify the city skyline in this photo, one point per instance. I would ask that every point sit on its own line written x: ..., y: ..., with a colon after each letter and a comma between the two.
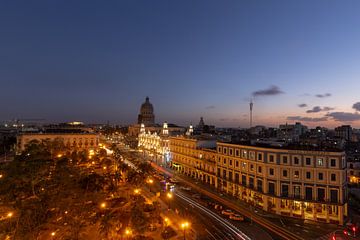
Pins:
x: 97, y: 62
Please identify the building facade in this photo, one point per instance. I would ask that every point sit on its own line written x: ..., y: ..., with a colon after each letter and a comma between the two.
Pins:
x: 74, y: 141
x: 305, y: 184
x: 309, y: 185
x: 194, y: 157
x: 155, y: 144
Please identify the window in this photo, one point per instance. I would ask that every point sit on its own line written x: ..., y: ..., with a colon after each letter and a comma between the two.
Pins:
x: 251, y: 183
x: 244, y: 154
x: 259, y: 156
x: 237, y: 164
x: 271, y: 158
x: 224, y: 161
x: 219, y: 149
x: 271, y: 188
x: 321, y: 194
x: 296, y: 161
x: 230, y: 151
x: 243, y: 180
x: 308, y: 193
x: 218, y: 172
x: 333, y: 177
x: 259, y: 169
x: 271, y: 171
x: 237, y: 153
x: 296, y: 191
x: 230, y: 176
x: 244, y: 165
x: 224, y: 173
x: 333, y: 162
x: 230, y: 162
x: 285, y: 173
x: 251, y: 167
x: 225, y: 150
x: 237, y: 178
x: 320, y: 162
x: 296, y: 174
x: 333, y: 195
x: 308, y: 175
x: 285, y: 160
x: 252, y: 155
x: 284, y: 190
x: 259, y: 186
x: 308, y: 161
x: 321, y: 176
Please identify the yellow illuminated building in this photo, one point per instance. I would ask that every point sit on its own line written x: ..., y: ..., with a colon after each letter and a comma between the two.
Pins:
x: 194, y: 157
x: 301, y: 184
x: 74, y: 141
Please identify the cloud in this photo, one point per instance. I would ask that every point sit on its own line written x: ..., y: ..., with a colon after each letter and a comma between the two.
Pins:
x: 344, y: 116
x: 314, y: 110
x: 271, y: 91
x: 319, y: 109
x: 356, y: 106
x: 302, y: 105
x: 327, y: 109
x: 306, y: 119
x: 323, y: 95
x: 210, y: 107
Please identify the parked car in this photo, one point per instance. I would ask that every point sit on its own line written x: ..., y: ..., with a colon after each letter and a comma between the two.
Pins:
x: 236, y: 217
x: 227, y: 212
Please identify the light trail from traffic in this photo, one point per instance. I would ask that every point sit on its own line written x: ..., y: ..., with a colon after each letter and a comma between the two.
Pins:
x: 222, y: 221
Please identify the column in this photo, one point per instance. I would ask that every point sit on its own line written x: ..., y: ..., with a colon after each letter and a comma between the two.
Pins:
x: 278, y: 205
x: 265, y: 202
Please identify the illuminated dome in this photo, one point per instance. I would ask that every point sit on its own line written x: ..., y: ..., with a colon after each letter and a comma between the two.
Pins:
x: 146, y: 115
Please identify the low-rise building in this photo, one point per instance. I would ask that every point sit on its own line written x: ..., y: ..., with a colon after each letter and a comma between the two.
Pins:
x: 74, y: 141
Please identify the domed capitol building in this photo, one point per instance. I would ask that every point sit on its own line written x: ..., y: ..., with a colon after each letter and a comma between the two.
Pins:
x: 146, y: 115
x: 146, y: 118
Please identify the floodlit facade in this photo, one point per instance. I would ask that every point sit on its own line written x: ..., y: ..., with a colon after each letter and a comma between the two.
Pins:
x: 302, y: 184
x: 75, y: 141
x: 194, y: 157
x: 154, y: 144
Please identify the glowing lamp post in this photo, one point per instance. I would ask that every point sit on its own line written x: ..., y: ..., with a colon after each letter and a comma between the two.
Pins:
x: 184, y: 226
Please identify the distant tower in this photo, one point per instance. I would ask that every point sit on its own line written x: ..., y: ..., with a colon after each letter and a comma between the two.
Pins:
x: 165, y: 130
x: 251, y: 109
x: 190, y: 131
x: 142, y: 128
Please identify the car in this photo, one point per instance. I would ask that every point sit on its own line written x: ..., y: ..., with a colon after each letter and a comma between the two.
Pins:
x: 236, y: 217
x: 218, y: 207
x: 227, y: 212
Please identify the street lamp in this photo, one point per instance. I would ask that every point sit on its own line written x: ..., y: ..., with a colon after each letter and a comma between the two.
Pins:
x: 184, y: 225
x: 169, y: 197
x: 150, y: 182
x: 128, y: 232
x: 137, y: 191
x: 103, y: 205
x: 10, y: 214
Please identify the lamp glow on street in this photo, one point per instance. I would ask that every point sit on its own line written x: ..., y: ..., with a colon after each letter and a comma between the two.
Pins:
x: 1, y: 175
x: 128, y: 231
x: 103, y: 205
x: 137, y: 191
x: 53, y: 234
x: 10, y: 214
x: 169, y: 195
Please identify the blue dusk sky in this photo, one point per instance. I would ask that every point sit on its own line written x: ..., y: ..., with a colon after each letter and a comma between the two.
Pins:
x: 95, y: 61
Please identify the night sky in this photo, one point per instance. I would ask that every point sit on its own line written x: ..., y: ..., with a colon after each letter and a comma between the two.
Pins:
x: 95, y: 61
